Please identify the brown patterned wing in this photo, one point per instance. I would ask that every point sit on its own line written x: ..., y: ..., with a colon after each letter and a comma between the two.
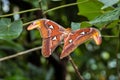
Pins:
x: 47, y: 28
x: 51, y: 32
x: 49, y: 44
x: 75, y: 38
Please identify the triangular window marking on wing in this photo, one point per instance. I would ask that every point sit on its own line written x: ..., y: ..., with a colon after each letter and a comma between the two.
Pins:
x: 70, y: 40
x: 51, y: 27
x: 83, y: 33
x: 54, y: 38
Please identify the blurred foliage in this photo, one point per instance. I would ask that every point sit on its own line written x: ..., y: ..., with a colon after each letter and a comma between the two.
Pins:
x: 94, y: 62
x: 10, y: 30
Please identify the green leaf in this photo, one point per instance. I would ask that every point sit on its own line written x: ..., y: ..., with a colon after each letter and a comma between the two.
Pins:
x: 107, y: 17
x: 108, y: 3
x: 75, y: 26
x: 85, y: 24
x: 10, y: 30
x: 113, y: 24
x: 90, y: 8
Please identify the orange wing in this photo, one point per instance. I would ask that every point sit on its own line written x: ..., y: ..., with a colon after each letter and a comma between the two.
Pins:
x: 78, y: 37
x: 51, y: 32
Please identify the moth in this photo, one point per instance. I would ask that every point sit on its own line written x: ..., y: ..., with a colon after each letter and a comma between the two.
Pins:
x: 53, y: 33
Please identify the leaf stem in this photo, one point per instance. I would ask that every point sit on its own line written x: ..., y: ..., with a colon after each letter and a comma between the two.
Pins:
x: 63, y: 6
x: 40, y: 5
x: 28, y: 23
x: 30, y: 10
x: 75, y: 67
x: 111, y: 36
x: 20, y: 53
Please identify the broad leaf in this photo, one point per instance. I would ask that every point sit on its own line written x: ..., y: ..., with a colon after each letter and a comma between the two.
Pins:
x: 108, y: 3
x: 90, y: 8
x: 107, y: 17
x: 10, y: 30
x: 85, y: 24
x: 75, y: 26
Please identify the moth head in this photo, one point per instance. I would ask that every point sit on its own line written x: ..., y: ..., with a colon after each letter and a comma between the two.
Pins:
x: 35, y: 24
x: 97, y: 37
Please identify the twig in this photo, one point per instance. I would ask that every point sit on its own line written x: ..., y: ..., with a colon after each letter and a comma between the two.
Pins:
x: 63, y: 6
x: 20, y: 53
x: 35, y: 9
x: 110, y: 36
x: 28, y: 23
x: 76, y: 69
x: 40, y: 5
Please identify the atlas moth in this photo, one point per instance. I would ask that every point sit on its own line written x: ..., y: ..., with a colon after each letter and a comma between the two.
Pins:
x: 53, y: 33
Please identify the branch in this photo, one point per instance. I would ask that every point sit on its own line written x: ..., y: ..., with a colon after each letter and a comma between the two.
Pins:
x: 28, y: 23
x: 20, y: 53
x: 75, y: 67
x: 110, y: 36
x: 63, y: 6
x: 29, y: 10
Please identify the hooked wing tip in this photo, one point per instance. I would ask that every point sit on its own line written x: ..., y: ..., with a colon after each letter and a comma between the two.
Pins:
x: 97, y: 37
x: 29, y: 27
x: 35, y: 24
x: 98, y: 40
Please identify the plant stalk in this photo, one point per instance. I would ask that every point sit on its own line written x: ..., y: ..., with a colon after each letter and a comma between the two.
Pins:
x: 75, y: 68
